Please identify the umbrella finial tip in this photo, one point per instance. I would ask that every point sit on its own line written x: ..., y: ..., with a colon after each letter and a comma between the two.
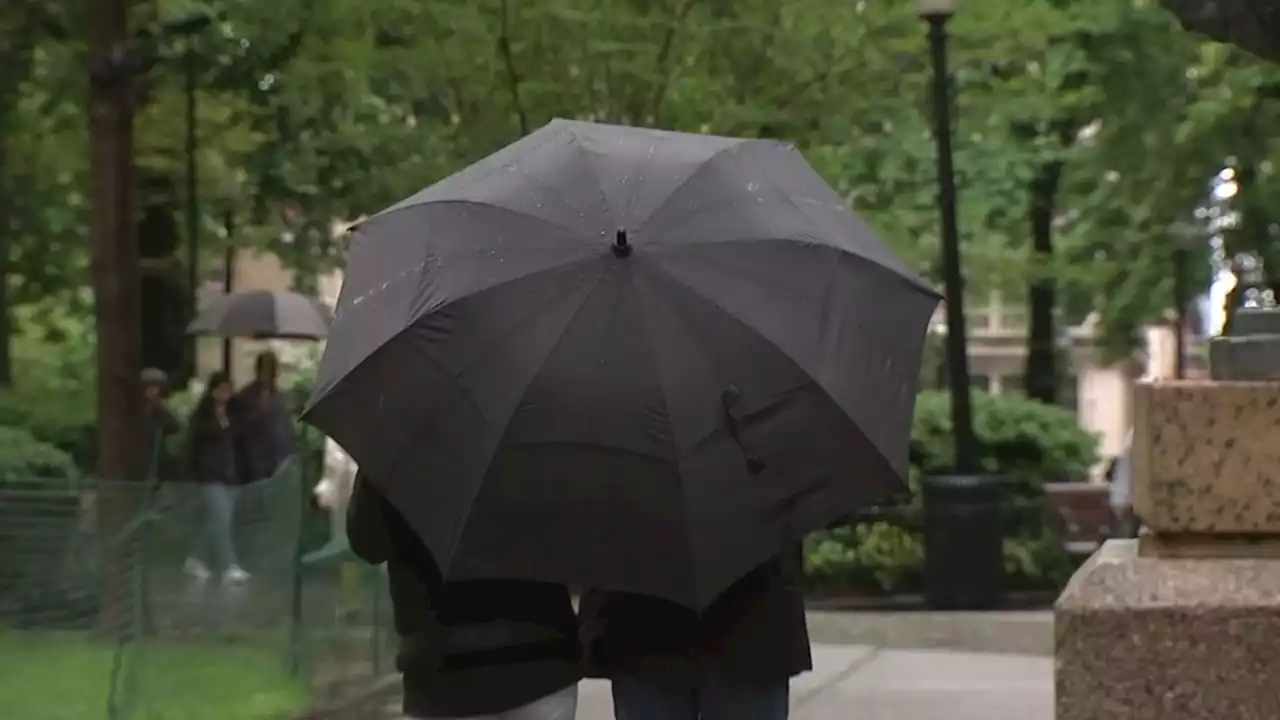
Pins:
x: 621, y: 247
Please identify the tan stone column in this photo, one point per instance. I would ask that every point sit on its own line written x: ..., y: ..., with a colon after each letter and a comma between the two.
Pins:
x: 1184, y: 622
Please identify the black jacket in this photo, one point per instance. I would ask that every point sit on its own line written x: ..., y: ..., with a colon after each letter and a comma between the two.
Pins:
x: 468, y: 648
x: 268, y: 437
x: 215, y: 454
x: 755, y: 631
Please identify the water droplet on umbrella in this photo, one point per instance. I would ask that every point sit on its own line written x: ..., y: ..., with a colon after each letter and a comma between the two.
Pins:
x: 753, y: 186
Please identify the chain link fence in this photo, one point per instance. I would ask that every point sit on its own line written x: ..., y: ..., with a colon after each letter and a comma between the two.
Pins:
x: 103, y: 614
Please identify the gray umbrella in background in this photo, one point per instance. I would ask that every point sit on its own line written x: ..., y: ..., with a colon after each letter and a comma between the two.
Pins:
x: 264, y: 314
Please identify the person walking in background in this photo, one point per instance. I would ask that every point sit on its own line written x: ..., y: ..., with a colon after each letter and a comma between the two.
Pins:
x: 213, y: 458
x: 268, y: 427
x: 1119, y: 493
x: 496, y: 649
x: 161, y: 422
x: 733, y: 661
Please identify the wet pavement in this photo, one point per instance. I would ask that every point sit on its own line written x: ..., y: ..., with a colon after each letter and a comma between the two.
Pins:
x: 857, y: 682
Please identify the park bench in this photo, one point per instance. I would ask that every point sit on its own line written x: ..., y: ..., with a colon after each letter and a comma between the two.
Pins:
x: 1081, y: 514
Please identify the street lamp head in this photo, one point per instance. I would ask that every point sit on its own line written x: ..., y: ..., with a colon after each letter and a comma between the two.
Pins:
x: 188, y: 24
x: 936, y: 8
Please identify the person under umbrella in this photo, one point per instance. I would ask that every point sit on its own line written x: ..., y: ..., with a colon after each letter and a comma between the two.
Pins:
x: 215, y: 461
x: 498, y: 649
x: 622, y: 358
x: 267, y: 425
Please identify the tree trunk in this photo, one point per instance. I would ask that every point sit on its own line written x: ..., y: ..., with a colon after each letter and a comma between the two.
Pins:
x: 8, y: 229
x: 1040, y: 378
x: 117, y: 309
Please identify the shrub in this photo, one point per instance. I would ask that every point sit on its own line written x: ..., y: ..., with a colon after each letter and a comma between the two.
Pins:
x: 874, y: 557
x: 62, y: 420
x: 1026, y: 442
x: 23, y: 458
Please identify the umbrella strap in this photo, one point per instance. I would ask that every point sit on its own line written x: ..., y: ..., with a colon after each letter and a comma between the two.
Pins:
x: 728, y: 399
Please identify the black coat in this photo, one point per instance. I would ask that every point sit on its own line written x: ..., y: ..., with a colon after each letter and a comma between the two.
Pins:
x: 469, y: 648
x: 755, y: 631
x: 216, y: 454
x: 267, y: 430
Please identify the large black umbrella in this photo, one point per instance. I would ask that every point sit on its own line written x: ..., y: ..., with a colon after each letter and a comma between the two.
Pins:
x: 264, y: 314
x: 624, y: 358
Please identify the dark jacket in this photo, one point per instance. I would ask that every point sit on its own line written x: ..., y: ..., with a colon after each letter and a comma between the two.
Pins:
x: 161, y: 423
x: 754, y: 632
x: 469, y: 648
x: 268, y: 430
x: 214, y: 453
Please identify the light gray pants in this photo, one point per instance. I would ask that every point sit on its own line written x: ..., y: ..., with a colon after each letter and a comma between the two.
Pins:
x: 560, y: 705
x: 218, y: 536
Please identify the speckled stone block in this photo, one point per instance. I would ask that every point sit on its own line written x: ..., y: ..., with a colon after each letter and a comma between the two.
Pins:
x: 1206, y: 456
x: 1168, y: 639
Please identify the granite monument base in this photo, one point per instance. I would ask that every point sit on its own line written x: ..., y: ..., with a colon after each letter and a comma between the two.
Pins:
x: 1158, y: 638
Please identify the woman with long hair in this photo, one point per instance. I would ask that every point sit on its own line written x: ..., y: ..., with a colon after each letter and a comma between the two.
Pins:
x: 213, y: 459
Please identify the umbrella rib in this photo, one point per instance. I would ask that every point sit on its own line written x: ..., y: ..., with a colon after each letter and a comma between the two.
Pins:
x: 506, y: 423
x: 573, y: 232
x: 319, y: 395
x: 752, y: 329
x: 677, y: 246
x: 807, y: 215
x: 675, y: 450
x: 675, y: 191
x: 586, y: 159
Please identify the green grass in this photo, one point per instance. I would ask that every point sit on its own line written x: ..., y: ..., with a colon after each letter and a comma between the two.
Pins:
x: 63, y: 676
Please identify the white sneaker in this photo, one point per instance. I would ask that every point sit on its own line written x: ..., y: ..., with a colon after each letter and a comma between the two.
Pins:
x: 235, y: 574
x: 196, y: 569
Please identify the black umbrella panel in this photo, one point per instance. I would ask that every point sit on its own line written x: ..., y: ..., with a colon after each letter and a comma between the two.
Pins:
x: 264, y: 314
x: 624, y: 358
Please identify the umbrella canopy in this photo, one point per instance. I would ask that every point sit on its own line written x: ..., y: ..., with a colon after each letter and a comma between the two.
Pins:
x: 624, y: 358
x: 264, y: 314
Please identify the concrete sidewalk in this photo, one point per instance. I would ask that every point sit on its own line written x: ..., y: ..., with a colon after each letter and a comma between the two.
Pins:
x: 854, y: 682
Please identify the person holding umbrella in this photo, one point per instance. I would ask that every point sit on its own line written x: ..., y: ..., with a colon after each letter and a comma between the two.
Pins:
x: 215, y: 462
x: 268, y: 437
x: 733, y: 661
x: 506, y: 650
x: 635, y: 360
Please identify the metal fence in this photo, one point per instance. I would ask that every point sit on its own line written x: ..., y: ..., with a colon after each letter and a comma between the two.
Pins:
x: 101, y: 616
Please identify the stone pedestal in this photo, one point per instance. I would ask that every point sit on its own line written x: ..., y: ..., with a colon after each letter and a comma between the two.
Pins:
x: 1150, y: 638
x: 1184, y: 622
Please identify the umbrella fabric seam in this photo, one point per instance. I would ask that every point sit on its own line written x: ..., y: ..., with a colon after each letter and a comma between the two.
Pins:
x: 484, y: 204
x: 317, y: 398
x: 502, y: 430
x: 662, y: 204
x: 868, y: 262
x: 469, y: 182
x: 675, y: 448
x: 767, y: 339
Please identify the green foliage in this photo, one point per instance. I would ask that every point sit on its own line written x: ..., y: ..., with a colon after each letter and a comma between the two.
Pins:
x: 1029, y: 442
x: 23, y: 458
x: 1026, y: 442
x: 880, y: 556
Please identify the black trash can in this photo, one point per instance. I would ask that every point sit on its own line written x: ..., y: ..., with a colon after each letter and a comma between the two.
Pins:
x: 963, y: 542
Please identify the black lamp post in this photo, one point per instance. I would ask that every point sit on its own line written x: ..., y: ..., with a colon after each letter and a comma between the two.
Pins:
x: 188, y: 26
x: 937, y: 13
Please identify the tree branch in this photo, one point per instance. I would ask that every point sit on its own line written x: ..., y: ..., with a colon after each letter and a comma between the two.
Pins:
x: 513, y: 78
x: 663, y: 58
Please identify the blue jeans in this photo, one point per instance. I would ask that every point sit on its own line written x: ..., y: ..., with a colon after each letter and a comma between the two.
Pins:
x: 636, y: 698
x: 218, y: 534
